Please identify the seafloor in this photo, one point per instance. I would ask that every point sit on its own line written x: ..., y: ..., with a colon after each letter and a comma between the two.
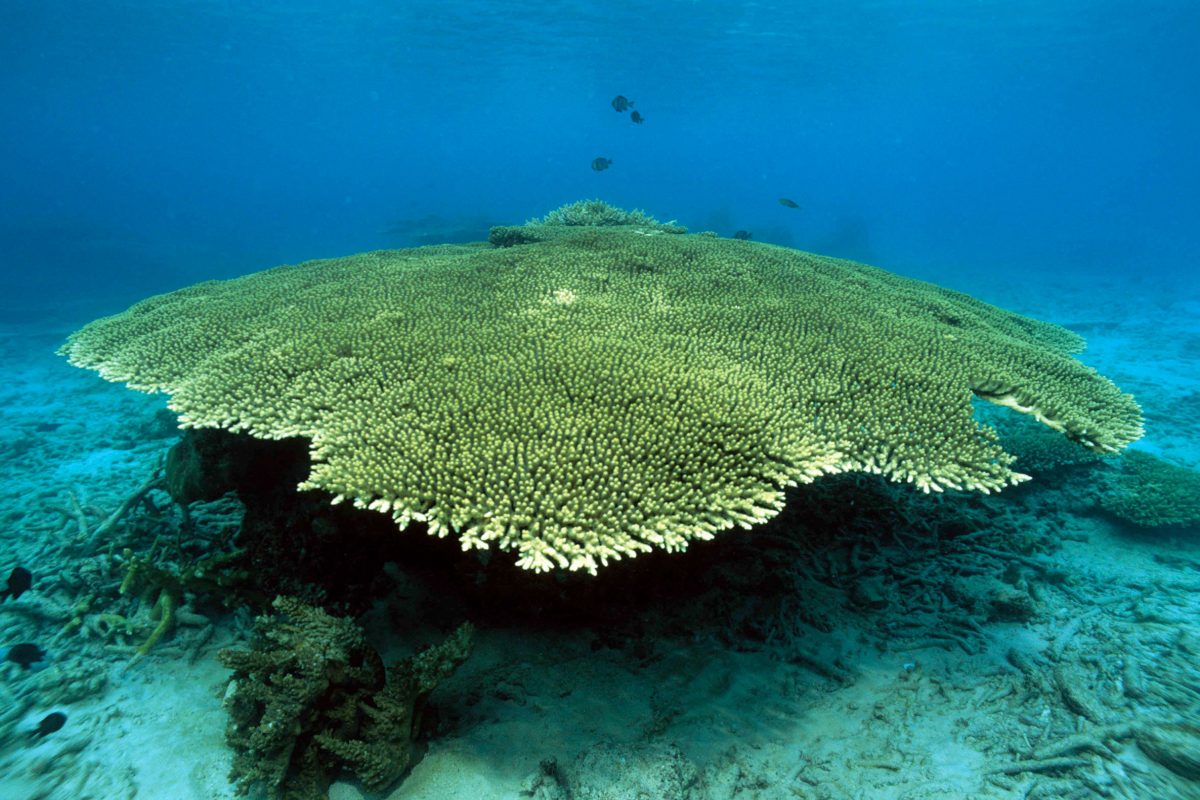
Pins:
x: 870, y: 643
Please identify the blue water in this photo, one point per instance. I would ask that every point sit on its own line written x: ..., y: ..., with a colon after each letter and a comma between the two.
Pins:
x: 1040, y: 154
x: 151, y: 144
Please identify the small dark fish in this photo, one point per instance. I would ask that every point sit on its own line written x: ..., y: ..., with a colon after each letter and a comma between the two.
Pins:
x: 745, y: 236
x: 621, y: 104
x: 51, y: 723
x: 600, y: 164
x: 637, y: 118
x: 18, y: 583
x: 783, y: 201
x: 25, y: 654
x: 47, y: 427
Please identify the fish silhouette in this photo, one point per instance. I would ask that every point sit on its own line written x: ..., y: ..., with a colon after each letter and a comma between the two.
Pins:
x: 783, y: 201
x: 621, y: 104
x: 600, y: 164
x: 19, y: 582
x: 25, y: 654
x: 49, y: 724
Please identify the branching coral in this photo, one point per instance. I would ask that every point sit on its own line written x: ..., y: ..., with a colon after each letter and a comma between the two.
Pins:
x: 597, y: 212
x: 163, y: 589
x: 1154, y: 493
x: 311, y: 698
x: 566, y: 221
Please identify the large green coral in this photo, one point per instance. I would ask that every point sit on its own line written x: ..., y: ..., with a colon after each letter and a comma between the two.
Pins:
x: 600, y: 391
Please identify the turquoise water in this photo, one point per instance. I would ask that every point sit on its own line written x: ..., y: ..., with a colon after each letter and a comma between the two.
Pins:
x: 871, y: 642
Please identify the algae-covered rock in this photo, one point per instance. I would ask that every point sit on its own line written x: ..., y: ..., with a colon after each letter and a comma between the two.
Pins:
x: 588, y: 392
x: 311, y: 698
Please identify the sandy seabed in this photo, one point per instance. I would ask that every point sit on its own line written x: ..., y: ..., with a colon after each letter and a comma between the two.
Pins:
x: 1039, y: 649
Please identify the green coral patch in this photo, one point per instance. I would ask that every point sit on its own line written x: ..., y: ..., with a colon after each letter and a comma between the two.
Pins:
x: 1154, y: 493
x: 593, y: 391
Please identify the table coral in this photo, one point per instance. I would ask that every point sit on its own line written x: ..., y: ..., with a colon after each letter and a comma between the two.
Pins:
x: 590, y: 392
